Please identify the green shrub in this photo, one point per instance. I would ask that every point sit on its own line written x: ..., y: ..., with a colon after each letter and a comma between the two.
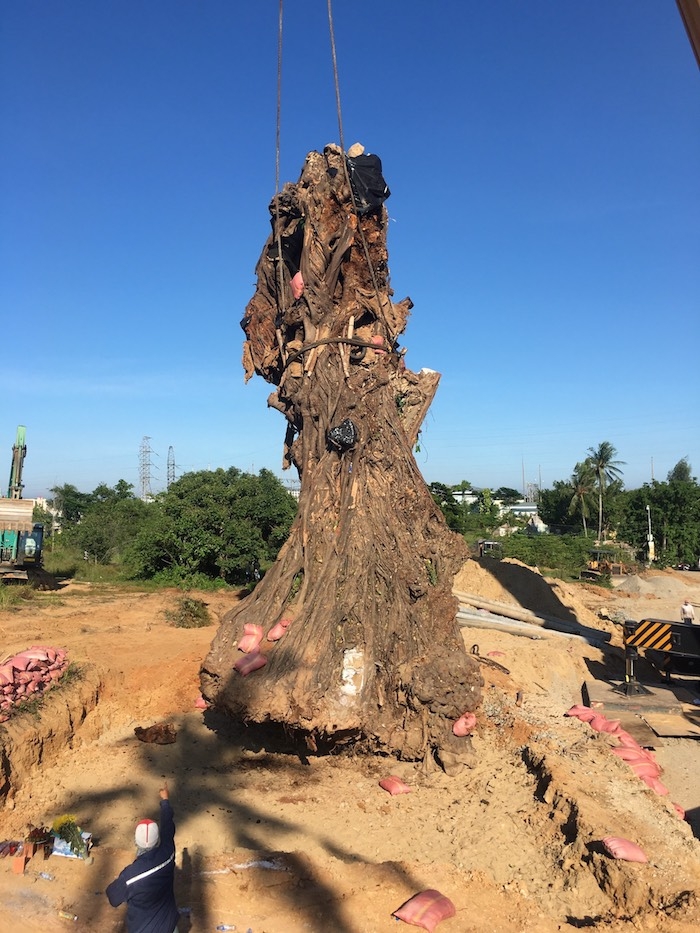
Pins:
x: 190, y: 613
x: 558, y: 555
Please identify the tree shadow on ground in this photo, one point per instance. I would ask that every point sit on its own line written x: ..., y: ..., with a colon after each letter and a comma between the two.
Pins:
x: 208, y: 764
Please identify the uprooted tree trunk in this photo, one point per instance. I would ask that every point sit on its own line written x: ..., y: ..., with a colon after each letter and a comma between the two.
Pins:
x: 372, y: 655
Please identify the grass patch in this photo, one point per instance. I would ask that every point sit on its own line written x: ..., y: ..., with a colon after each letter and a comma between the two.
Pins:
x: 189, y: 613
x: 14, y: 594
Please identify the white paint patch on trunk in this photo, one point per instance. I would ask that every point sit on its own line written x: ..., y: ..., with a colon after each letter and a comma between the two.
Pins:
x: 353, y: 672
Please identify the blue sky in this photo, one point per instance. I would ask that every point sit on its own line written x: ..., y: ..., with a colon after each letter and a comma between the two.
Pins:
x: 543, y: 162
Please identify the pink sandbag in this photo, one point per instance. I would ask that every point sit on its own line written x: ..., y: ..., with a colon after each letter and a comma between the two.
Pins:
x: 249, y: 663
x: 276, y: 632
x: 584, y: 713
x: 464, y: 724
x: 629, y: 754
x: 496, y: 654
x: 655, y: 785
x: 394, y: 785
x: 19, y: 663
x: 626, y: 740
x: 377, y: 341
x: 201, y: 703
x: 601, y: 724
x: 679, y: 810
x: 426, y: 910
x: 624, y: 849
x: 297, y: 284
x: 645, y: 768
x: 250, y: 642
x: 34, y: 654
x: 6, y: 674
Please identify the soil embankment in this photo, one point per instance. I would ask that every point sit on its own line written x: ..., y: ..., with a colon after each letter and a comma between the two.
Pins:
x: 282, y: 845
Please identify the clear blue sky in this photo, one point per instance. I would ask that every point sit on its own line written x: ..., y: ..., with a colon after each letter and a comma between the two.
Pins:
x: 543, y: 160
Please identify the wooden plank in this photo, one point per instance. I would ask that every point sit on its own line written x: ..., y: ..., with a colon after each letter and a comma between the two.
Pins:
x: 660, y: 699
x: 672, y: 725
x: 639, y: 729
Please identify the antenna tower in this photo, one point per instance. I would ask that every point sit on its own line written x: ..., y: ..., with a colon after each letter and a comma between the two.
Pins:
x: 171, y: 466
x: 145, y: 467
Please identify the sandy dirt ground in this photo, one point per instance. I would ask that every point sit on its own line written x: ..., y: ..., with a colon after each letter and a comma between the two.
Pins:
x: 272, y: 843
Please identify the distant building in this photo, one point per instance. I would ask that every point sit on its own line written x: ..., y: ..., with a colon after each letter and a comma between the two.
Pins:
x: 465, y: 497
x: 293, y: 487
x: 522, y: 509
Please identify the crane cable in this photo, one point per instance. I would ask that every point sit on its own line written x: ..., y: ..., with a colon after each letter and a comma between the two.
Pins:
x: 278, y: 232
x: 370, y: 266
x: 280, y: 264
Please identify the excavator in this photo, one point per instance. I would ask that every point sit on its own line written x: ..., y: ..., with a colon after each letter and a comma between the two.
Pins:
x: 21, y: 538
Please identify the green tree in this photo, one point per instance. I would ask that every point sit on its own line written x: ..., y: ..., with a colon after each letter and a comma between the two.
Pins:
x: 681, y: 472
x: 462, y: 486
x: 553, y: 505
x: 488, y: 510
x: 451, y: 509
x: 70, y: 503
x: 109, y: 522
x: 583, y: 484
x: 45, y: 518
x: 507, y: 495
x: 674, y: 514
x: 104, y: 493
x: 217, y: 523
x: 607, y: 470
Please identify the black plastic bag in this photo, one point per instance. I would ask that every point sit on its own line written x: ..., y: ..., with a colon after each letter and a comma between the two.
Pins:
x: 343, y: 436
x: 368, y: 185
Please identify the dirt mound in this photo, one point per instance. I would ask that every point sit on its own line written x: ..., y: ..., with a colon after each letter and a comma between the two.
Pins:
x: 289, y: 845
x: 654, y: 585
x: 515, y: 584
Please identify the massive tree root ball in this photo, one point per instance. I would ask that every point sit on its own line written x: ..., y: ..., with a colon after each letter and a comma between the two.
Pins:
x: 351, y: 636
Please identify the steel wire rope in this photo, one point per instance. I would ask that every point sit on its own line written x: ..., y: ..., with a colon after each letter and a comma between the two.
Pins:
x: 347, y: 174
x: 278, y: 234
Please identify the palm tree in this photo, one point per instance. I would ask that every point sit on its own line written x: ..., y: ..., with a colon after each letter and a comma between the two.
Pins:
x: 606, y: 471
x: 582, y: 483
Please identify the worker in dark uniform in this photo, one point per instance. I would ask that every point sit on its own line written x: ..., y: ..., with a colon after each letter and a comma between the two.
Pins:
x: 147, y: 884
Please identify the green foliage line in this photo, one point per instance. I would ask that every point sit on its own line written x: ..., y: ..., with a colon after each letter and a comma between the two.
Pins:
x: 592, y: 505
x: 220, y: 525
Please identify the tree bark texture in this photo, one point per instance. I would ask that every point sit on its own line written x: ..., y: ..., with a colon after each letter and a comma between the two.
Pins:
x: 372, y: 656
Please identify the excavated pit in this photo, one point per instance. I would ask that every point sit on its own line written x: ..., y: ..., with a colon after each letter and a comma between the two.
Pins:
x: 34, y: 738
